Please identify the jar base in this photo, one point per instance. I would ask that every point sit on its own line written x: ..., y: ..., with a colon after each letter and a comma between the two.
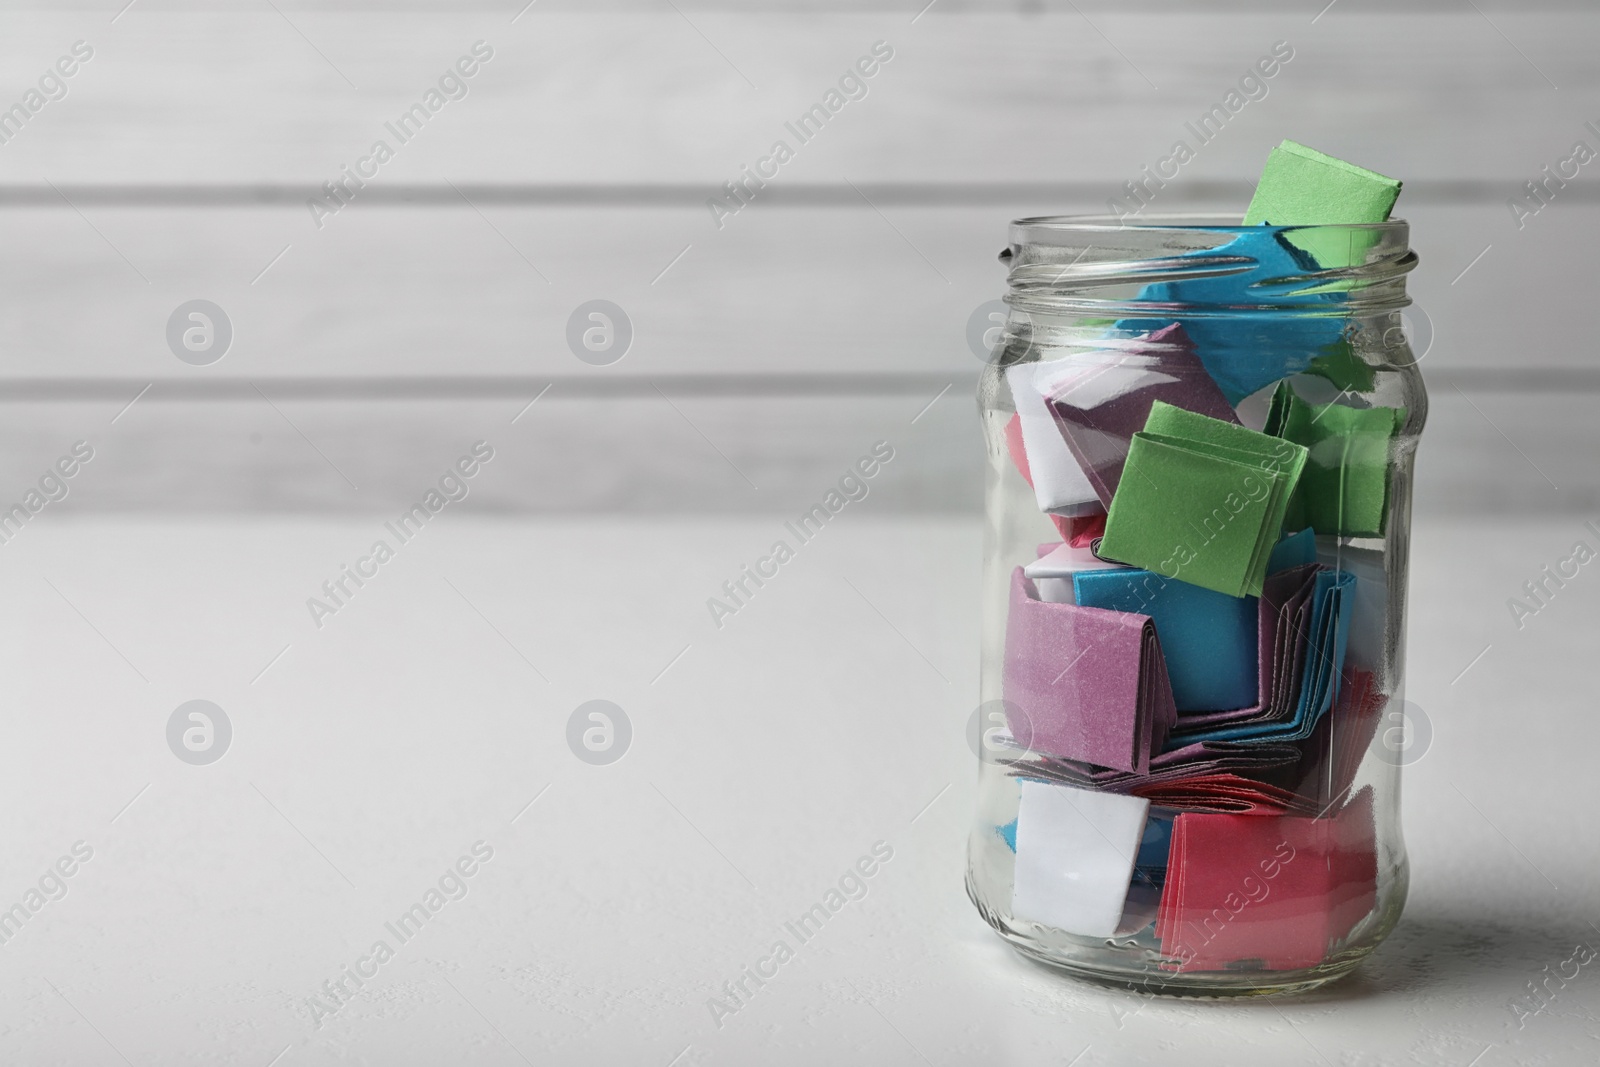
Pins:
x: 1112, y: 966
x: 1205, y: 985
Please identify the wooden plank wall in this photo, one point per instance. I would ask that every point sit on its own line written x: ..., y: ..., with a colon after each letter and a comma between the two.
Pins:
x: 768, y: 350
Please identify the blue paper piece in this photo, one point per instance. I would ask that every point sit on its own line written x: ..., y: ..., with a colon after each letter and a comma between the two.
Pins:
x: 1144, y: 900
x: 1330, y: 629
x: 1156, y: 844
x: 1328, y: 640
x: 1008, y: 834
x: 1295, y: 550
x: 1208, y: 638
x: 1245, y: 350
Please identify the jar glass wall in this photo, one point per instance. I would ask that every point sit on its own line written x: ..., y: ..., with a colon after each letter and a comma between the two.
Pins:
x: 1185, y: 781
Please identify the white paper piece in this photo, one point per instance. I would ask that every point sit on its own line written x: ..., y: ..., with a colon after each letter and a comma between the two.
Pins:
x: 1052, y: 572
x: 1075, y: 856
x: 1100, y: 385
x: 1059, y: 484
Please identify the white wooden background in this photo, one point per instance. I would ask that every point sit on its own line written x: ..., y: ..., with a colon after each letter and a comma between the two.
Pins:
x: 826, y: 315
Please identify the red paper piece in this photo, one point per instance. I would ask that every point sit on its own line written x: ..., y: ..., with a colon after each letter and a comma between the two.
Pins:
x: 1085, y: 530
x: 1019, y: 455
x: 1334, y: 750
x: 1224, y: 793
x: 1272, y: 893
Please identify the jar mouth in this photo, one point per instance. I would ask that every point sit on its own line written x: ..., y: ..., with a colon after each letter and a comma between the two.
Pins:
x: 1205, y: 264
x: 1037, y: 229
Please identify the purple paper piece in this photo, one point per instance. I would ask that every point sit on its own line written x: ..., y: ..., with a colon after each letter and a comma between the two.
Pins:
x: 1084, y: 683
x: 1099, y: 412
x: 1187, y: 757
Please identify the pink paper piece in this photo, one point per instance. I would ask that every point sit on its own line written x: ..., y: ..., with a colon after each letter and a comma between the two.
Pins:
x: 1084, y: 683
x: 1100, y: 410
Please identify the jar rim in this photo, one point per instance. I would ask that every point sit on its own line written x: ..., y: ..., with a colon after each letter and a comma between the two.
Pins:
x: 1099, y: 265
x: 1030, y: 229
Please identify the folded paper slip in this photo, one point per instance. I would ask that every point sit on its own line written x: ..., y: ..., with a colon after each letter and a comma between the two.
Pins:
x: 1202, y: 501
x: 1053, y: 572
x: 1086, y: 530
x: 1249, y: 310
x: 1225, y: 793
x: 1283, y: 615
x: 1059, y: 484
x: 1075, y: 529
x: 1319, y: 640
x: 1273, y: 892
x: 1295, y: 550
x: 1156, y: 843
x: 1344, y: 489
x: 1100, y: 410
x: 1075, y: 857
x: 1208, y: 638
x: 1344, y: 369
x: 1190, y: 761
x: 1300, y: 186
x: 1084, y: 684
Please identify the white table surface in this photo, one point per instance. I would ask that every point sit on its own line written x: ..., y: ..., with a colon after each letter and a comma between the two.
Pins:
x: 765, y: 759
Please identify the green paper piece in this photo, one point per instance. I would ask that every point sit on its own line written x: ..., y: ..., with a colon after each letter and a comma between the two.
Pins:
x: 1344, y: 490
x: 1300, y: 186
x: 1202, y: 501
x: 1341, y: 366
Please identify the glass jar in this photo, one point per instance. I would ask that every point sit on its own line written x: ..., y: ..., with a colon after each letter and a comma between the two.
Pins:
x: 1183, y: 783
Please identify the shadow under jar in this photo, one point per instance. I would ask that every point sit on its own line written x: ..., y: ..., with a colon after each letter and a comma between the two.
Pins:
x: 1188, y: 775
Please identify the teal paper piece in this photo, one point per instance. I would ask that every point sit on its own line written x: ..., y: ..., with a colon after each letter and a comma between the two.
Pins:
x: 1295, y: 550
x: 1329, y: 637
x: 1245, y: 350
x: 1208, y: 638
